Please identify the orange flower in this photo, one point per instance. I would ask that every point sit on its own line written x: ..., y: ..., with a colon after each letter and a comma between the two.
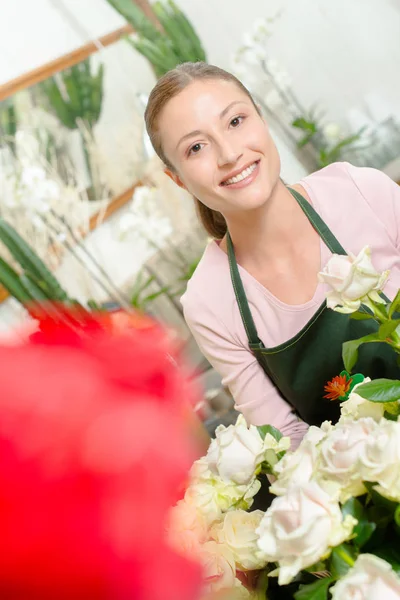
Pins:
x: 338, y: 387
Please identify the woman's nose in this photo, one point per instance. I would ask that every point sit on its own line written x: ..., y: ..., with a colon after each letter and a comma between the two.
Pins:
x: 228, y: 154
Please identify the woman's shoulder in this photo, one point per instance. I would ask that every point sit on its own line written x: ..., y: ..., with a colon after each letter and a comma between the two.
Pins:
x: 366, y: 182
x: 343, y: 193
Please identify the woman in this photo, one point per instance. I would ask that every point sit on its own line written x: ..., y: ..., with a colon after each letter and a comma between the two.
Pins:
x: 254, y: 304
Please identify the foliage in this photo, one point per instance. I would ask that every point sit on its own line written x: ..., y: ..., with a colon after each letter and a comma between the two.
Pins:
x: 327, y: 152
x: 76, y: 94
x: 36, y: 284
x: 176, y: 43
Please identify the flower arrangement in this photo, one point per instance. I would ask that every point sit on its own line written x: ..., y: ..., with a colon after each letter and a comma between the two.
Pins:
x: 332, y: 530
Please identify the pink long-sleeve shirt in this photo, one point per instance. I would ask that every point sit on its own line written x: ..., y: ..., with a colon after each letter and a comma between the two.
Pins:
x: 361, y: 206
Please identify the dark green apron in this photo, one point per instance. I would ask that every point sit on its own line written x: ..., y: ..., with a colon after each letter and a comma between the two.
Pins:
x: 301, y: 367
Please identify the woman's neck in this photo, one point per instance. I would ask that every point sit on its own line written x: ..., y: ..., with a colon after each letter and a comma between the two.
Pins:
x: 269, y: 232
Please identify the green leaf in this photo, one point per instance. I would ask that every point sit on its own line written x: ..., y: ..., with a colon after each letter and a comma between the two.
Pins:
x: 341, y: 560
x: 364, y: 529
x: 314, y: 591
x: 350, y: 349
x: 264, y: 429
x: 360, y: 316
x: 380, y: 390
x: 30, y: 261
x: 350, y: 353
x: 394, y: 305
x: 386, y: 329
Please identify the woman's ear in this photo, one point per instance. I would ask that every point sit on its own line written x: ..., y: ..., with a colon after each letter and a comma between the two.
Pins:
x: 175, y: 178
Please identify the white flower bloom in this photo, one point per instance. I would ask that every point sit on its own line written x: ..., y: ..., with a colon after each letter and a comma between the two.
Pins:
x: 356, y: 407
x: 186, y: 529
x: 300, y: 528
x: 236, y: 452
x: 298, y: 467
x: 337, y: 468
x: 219, y: 570
x: 380, y: 459
x: 238, y: 532
x: 371, y: 578
x: 332, y: 132
x: 213, y: 496
x: 353, y: 280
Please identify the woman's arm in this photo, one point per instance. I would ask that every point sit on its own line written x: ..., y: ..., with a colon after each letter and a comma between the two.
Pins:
x: 254, y: 394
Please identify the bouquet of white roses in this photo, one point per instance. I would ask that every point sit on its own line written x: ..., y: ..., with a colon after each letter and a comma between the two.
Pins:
x: 333, y: 528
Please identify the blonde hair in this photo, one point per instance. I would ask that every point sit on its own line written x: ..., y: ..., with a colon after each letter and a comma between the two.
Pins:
x: 165, y: 89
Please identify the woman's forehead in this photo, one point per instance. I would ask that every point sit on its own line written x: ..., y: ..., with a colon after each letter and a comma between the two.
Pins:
x: 199, y: 104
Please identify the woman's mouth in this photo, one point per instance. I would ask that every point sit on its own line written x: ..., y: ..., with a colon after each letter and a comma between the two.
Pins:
x: 243, y: 178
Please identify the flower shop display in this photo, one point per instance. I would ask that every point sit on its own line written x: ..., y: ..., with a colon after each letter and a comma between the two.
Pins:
x: 85, y: 414
x: 333, y: 528
x: 75, y: 97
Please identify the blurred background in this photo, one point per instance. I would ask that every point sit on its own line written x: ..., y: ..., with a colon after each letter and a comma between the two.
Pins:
x: 79, y: 182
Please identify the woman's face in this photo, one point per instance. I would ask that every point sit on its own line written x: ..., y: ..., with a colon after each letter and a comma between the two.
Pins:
x: 220, y: 147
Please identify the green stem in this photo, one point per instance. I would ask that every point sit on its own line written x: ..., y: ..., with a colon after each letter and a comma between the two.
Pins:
x: 344, y: 556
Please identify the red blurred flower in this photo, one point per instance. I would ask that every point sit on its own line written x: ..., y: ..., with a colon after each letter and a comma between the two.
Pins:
x: 93, y: 448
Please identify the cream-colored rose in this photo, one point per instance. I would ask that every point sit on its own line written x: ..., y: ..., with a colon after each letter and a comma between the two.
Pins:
x: 298, y: 467
x: 236, y: 452
x: 380, y: 459
x: 300, y: 528
x: 186, y: 528
x: 353, y: 280
x: 371, y: 578
x: 356, y: 407
x: 212, y: 496
x: 272, y: 448
x: 238, y: 532
x: 218, y: 563
x: 337, y: 469
x: 238, y: 592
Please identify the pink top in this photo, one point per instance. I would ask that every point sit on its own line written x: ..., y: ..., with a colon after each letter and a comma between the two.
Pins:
x: 361, y: 206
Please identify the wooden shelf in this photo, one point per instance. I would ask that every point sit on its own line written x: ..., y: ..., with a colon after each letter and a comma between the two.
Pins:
x: 115, y: 204
x: 63, y: 62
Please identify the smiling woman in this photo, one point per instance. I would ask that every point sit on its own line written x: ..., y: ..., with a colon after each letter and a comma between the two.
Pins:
x: 255, y: 304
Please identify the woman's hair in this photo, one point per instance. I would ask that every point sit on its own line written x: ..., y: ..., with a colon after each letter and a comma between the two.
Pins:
x: 166, y: 88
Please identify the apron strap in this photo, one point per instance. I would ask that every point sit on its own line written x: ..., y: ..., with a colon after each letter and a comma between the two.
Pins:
x: 319, y: 225
x: 322, y: 229
x: 241, y: 298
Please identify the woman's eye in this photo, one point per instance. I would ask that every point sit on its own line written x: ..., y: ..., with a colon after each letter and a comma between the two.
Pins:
x: 195, y: 149
x: 236, y: 121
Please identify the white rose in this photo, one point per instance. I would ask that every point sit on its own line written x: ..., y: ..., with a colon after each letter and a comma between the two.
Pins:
x: 236, y: 452
x: 238, y: 532
x: 272, y: 448
x: 300, y: 528
x: 356, y: 407
x: 212, y: 496
x: 218, y: 563
x: 380, y: 459
x: 371, y: 578
x: 298, y: 467
x: 238, y: 592
x: 186, y: 528
x: 353, y: 279
x: 337, y: 469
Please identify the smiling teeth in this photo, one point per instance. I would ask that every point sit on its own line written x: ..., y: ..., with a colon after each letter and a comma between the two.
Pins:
x: 241, y: 175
